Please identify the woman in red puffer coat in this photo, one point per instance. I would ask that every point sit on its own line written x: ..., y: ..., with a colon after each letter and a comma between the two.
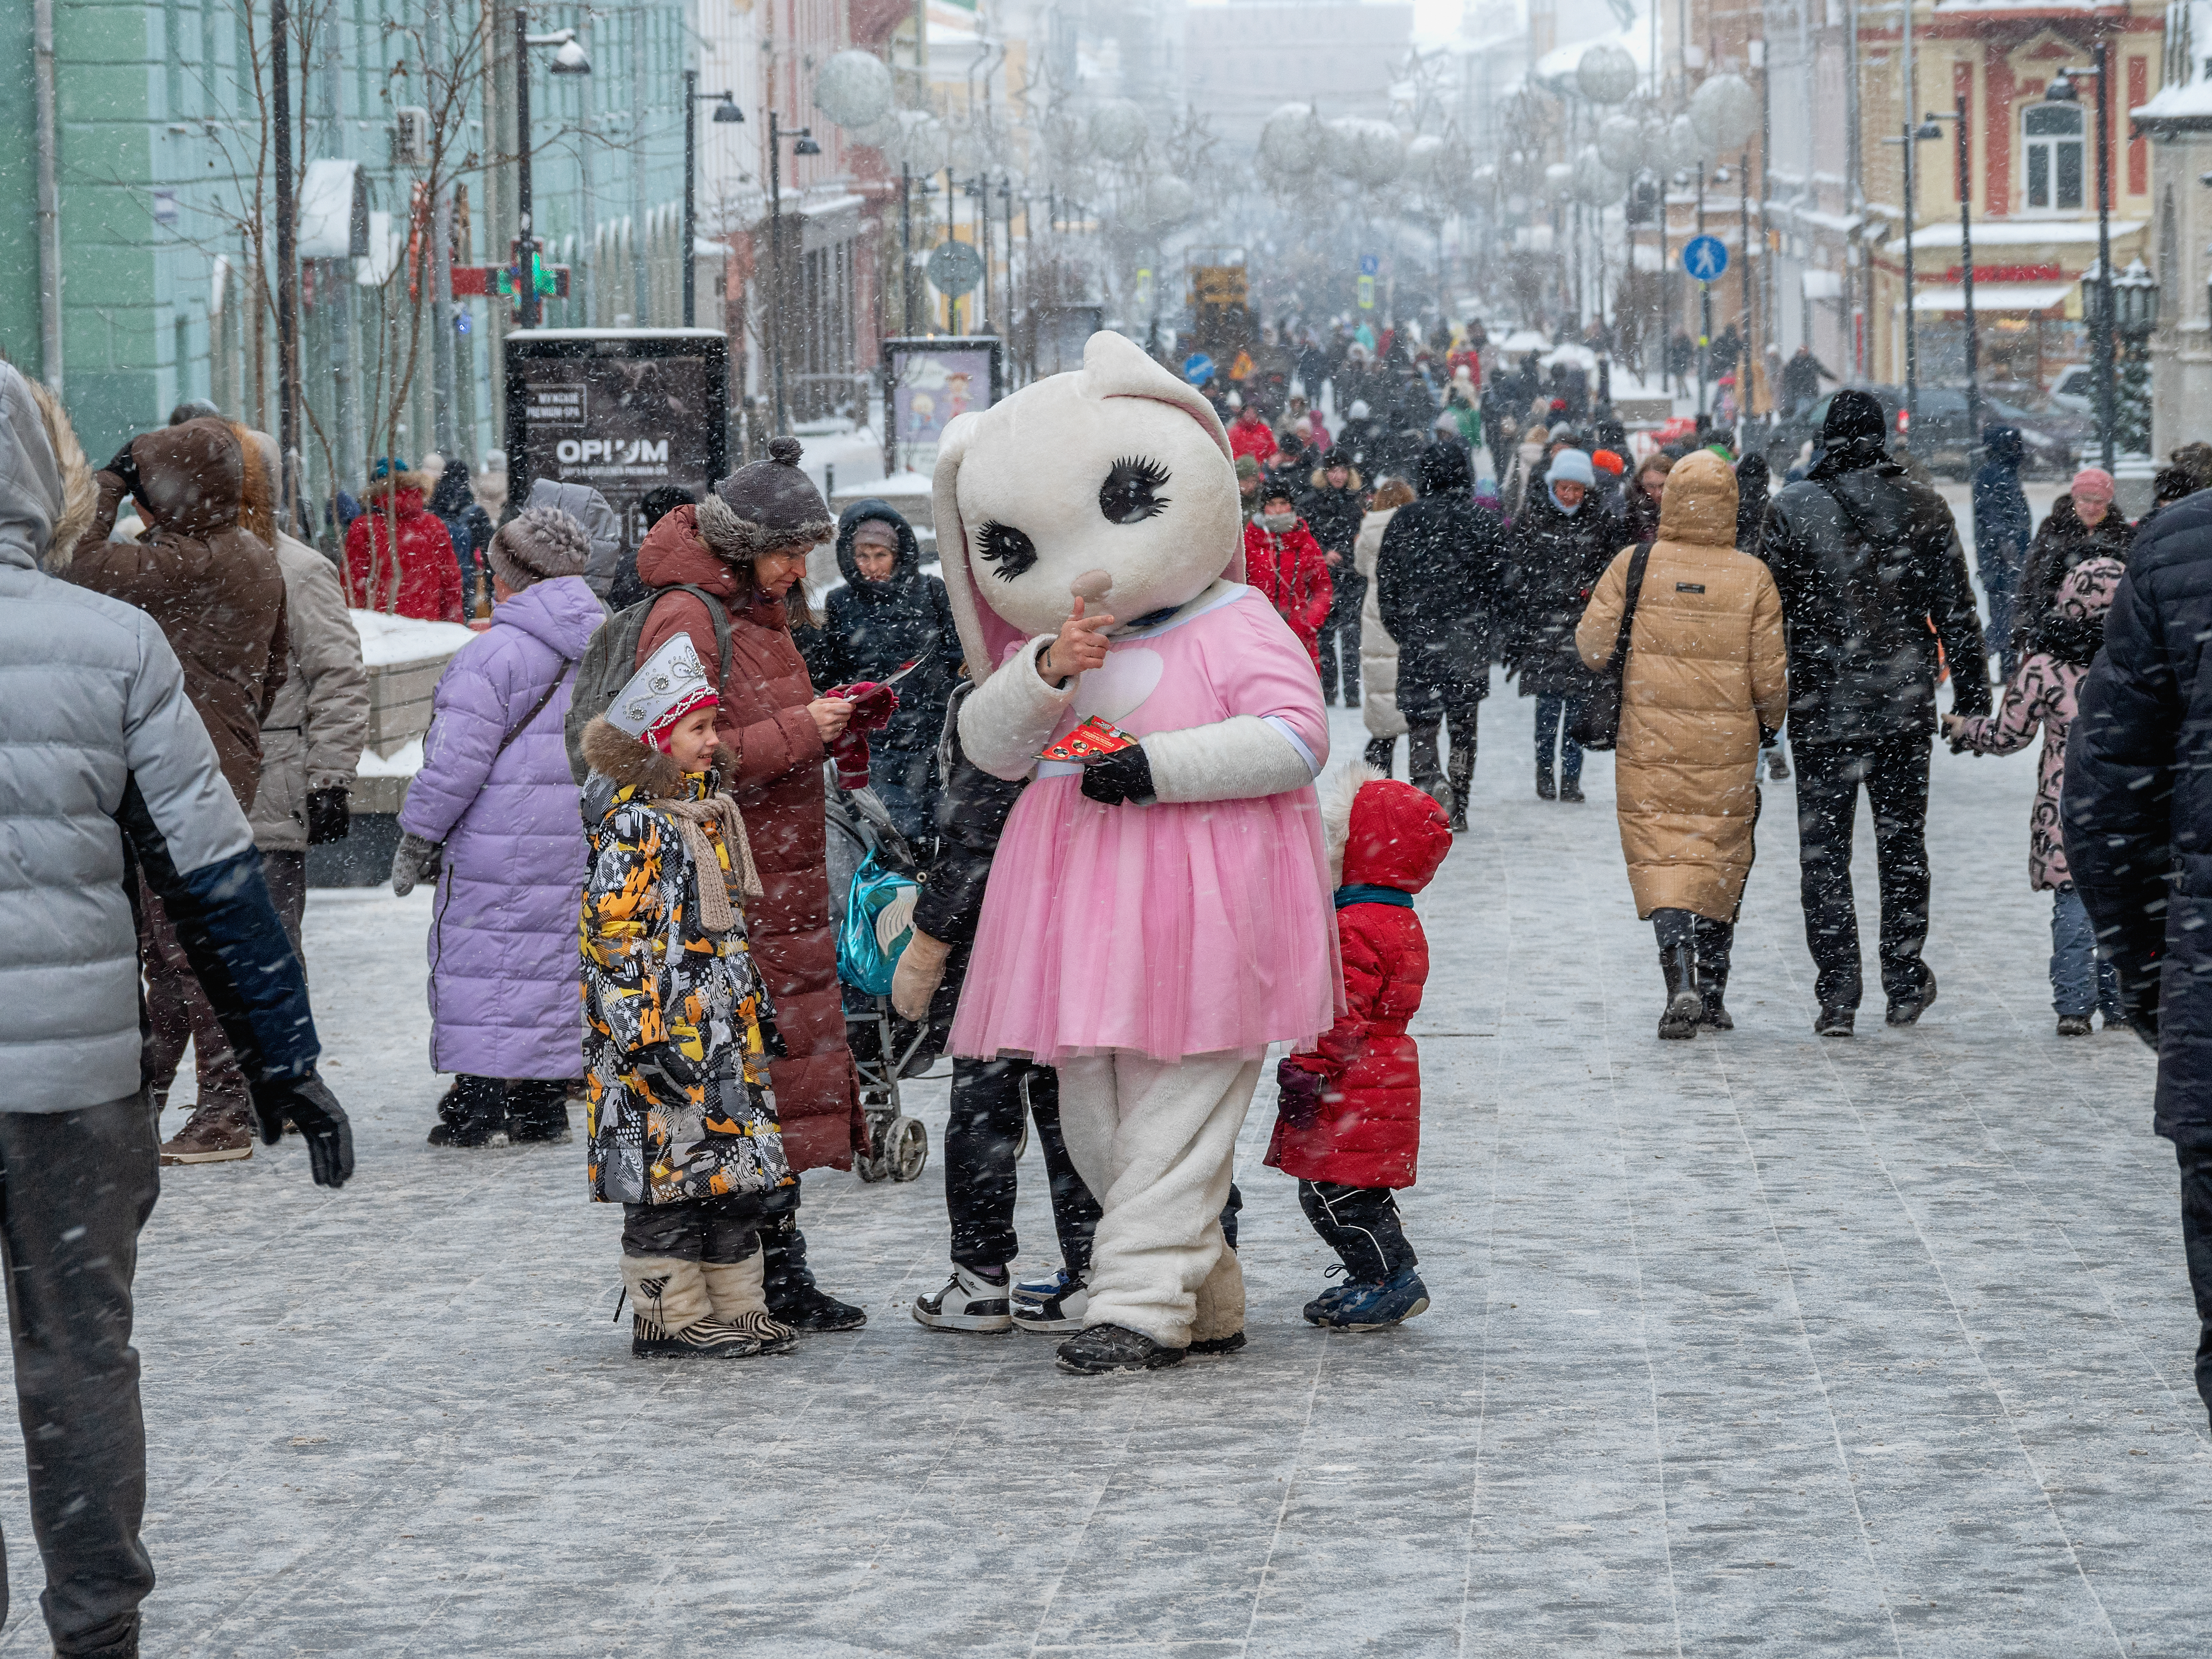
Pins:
x: 1284, y: 562
x: 424, y: 580
x: 1350, y: 1110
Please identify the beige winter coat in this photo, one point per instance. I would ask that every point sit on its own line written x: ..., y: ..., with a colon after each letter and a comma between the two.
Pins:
x: 1378, y: 651
x: 313, y: 737
x: 1706, y: 669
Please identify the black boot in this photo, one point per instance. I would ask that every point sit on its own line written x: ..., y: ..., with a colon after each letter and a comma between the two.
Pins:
x: 472, y: 1116
x: 788, y: 1283
x: 1685, y: 1007
x: 1545, y: 789
x: 537, y: 1112
x: 1462, y: 784
x: 1424, y: 766
x: 1380, y: 753
x: 1104, y: 1349
x: 1712, y: 984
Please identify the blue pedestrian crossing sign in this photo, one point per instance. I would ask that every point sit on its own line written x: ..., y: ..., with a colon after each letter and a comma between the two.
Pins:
x: 1198, y: 368
x: 1369, y: 264
x: 1705, y: 258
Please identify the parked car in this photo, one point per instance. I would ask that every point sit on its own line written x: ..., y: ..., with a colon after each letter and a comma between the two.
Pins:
x: 2074, y: 388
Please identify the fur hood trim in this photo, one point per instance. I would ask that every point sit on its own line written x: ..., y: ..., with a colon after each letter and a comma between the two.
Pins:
x: 80, y: 494
x: 739, y: 540
x: 623, y: 761
x: 1336, y: 812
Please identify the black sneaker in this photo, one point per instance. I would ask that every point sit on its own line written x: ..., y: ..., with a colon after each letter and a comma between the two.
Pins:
x: 1545, y: 790
x: 1571, y: 793
x: 2073, y: 1025
x: 807, y: 1309
x: 1214, y: 1348
x: 1105, y: 1349
x: 1833, y: 1023
x: 468, y: 1137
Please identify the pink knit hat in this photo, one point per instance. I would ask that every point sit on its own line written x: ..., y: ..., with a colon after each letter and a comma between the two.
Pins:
x: 2091, y: 483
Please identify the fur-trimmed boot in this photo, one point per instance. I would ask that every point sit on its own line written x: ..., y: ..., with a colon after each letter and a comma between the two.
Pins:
x: 734, y: 1290
x: 1218, y: 1328
x: 673, y: 1318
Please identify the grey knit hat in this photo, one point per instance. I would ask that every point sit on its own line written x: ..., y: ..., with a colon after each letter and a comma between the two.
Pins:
x: 769, y: 503
x: 536, y: 545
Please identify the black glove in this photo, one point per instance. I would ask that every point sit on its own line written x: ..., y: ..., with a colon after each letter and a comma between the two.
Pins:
x: 315, y: 1112
x: 1123, y: 776
x: 1298, y: 1100
x: 330, y: 815
x: 125, y: 469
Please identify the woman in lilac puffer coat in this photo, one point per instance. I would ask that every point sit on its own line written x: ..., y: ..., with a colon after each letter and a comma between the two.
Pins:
x: 493, y: 815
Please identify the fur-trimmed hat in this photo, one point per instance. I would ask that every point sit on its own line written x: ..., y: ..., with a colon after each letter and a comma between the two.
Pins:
x: 769, y: 503
x: 536, y: 545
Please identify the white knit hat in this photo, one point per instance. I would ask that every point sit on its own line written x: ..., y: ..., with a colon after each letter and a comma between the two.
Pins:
x: 670, y: 686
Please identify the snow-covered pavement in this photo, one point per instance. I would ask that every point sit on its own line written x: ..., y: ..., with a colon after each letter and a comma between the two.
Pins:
x: 1755, y: 1344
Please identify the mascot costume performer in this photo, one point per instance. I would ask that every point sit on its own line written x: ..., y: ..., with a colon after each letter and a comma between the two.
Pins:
x: 1158, y: 914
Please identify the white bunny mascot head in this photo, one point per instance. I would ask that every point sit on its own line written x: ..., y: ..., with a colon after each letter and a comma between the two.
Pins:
x: 1158, y: 915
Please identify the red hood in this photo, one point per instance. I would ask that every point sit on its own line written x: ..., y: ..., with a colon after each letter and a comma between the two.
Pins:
x: 407, y: 501
x: 1399, y: 837
x: 672, y: 555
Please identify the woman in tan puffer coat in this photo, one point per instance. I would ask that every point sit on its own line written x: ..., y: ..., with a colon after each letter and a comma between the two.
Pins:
x: 1707, y: 675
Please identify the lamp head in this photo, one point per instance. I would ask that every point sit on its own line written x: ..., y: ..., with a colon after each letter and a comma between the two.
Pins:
x: 571, y: 59
x: 2061, y: 90
x: 805, y: 146
x: 727, y: 110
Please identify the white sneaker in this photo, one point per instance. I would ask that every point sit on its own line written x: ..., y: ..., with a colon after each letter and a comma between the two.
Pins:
x: 968, y: 1302
x: 1054, y: 1305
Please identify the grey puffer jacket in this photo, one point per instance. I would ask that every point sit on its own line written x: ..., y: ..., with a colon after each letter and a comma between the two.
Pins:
x: 314, y: 736
x: 100, y: 747
x: 601, y: 528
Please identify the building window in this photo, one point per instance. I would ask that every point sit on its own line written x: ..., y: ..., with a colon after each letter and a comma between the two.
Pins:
x: 2052, y: 133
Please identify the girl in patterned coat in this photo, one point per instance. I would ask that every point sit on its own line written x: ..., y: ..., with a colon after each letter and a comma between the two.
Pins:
x: 682, y: 1131
x: 2059, y: 647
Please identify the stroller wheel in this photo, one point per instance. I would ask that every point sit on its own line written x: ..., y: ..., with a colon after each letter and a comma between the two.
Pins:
x: 906, y: 1148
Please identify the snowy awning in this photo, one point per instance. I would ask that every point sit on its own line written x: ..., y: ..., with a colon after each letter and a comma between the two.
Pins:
x: 1993, y: 296
x: 2016, y: 233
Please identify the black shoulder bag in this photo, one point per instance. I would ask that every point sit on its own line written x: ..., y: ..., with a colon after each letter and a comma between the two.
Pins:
x: 1598, y: 725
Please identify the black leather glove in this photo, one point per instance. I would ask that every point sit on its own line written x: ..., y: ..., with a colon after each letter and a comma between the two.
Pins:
x: 125, y: 469
x: 1125, y: 774
x: 315, y: 1112
x: 1298, y: 1099
x: 330, y: 815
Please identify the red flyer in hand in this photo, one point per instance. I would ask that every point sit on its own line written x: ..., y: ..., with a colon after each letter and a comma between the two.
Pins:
x: 1094, y: 739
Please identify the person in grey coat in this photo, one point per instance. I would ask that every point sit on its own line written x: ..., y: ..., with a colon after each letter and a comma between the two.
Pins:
x: 311, y: 739
x: 105, y: 765
x: 602, y: 529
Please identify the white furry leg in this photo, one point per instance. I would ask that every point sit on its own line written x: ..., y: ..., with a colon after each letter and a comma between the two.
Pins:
x: 1154, y: 1142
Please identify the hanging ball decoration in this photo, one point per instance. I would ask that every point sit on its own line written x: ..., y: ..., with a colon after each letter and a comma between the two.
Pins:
x: 1684, y: 150
x: 1422, y: 155
x: 1169, y: 201
x: 1607, y: 74
x: 1724, y: 110
x: 1596, y: 184
x: 854, y: 89
x: 1622, y: 143
x: 1558, y: 180
x: 1373, y: 151
x: 1291, y: 140
x: 1117, y: 129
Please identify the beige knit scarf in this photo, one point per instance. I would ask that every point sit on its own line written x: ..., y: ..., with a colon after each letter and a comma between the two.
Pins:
x: 692, y: 817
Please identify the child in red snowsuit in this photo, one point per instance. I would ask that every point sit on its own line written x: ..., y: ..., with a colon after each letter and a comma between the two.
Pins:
x: 1285, y: 563
x: 1351, y: 1111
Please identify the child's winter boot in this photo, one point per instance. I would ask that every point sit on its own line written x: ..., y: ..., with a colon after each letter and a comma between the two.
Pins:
x: 1372, y: 1304
x: 968, y: 1302
x: 734, y: 1290
x: 1105, y: 1349
x: 537, y: 1112
x: 673, y: 1319
x: 1050, y: 1304
x: 1318, y: 1311
x: 472, y: 1116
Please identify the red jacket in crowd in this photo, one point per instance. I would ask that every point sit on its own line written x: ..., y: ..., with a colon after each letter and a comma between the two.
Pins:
x: 1248, y: 435
x: 425, y: 581
x: 1290, y: 569
x: 1368, y: 1131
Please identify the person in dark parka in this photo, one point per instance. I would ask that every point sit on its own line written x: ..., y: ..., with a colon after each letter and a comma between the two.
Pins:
x: 1335, y: 503
x: 887, y: 615
x: 1873, y: 580
x: 1441, y: 589
x: 1561, y: 544
x: 990, y: 1097
x: 2136, y: 815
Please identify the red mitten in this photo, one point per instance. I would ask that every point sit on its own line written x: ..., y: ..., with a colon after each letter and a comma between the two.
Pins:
x: 873, y: 704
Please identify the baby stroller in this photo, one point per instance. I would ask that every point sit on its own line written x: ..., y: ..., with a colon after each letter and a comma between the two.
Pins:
x: 885, y: 1047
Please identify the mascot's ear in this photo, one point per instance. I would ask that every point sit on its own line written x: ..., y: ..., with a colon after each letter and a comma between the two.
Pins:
x: 1115, y: 366
x: 984, y: 635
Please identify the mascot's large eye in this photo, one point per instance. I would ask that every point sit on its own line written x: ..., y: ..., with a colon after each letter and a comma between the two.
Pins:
x: 1006, y: 548
x: 1131, y: 494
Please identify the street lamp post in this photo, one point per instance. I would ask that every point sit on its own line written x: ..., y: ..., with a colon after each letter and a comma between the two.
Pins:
x: 2135, y: 293
x: 2061, y: 90
x: 1911, y: 136
x: 288, y: 276
x: 1931, y: 128
x: 804, y: 146
x: 726, y: 110
x: 568, y: 60
x: 1704, y: 305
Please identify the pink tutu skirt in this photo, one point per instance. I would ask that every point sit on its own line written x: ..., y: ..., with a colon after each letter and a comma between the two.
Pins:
x: 1172, y: 930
